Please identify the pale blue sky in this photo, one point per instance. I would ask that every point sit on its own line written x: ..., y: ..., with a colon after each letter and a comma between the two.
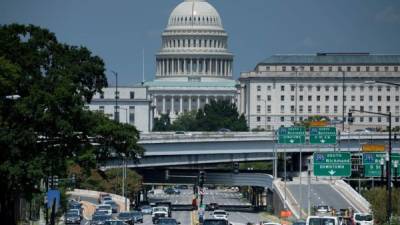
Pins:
x: 117, y: 30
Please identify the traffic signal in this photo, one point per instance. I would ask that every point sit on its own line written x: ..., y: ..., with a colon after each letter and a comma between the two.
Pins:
x: 350, y: 118
x: 236, y: 167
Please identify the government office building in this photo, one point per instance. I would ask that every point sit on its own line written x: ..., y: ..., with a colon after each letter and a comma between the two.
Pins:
x: 286, y: 88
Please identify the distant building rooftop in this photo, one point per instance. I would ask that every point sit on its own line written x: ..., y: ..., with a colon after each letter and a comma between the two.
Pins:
x: 333, y: 59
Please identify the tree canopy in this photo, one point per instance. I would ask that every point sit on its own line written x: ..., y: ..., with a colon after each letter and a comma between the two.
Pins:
x: 44, y: 86
x: 214, y: 116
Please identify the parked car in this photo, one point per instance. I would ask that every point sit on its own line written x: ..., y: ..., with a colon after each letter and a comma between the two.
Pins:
x: 146, y: 209
x: 131, y: 217
x: 72, y: 217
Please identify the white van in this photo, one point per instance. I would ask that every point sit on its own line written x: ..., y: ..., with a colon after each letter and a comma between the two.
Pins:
x: 363, y: 219
x: 322, y: 220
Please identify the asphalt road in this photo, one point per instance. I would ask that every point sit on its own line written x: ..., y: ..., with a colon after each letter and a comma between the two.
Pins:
x: 321, y: 194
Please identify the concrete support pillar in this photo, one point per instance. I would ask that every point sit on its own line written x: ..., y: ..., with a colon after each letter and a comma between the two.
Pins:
x: 190, y: 103
x: 172, y: 105
x: 207, y: 99
x: 173, y: 66
x: 191, y: 66
x: 198, y: 102
x: 204, y: 66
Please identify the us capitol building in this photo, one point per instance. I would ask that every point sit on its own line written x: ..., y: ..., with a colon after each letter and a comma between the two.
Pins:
x: 194, y: 66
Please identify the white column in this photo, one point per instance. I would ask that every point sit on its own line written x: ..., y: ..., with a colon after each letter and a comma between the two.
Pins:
x: 190, y: 103
x: 209, y: 66
x: 207, y: 99
x: 198, y: 102
x: 179, y: 66
x: 181, y: 104
x: 233, y: 99
x: 172, y: 105
x: 191, y: 66
x: 204, y: 66
x: 225, y: 68
x: 184, y: 66
x: 163, y: 104
x: 155, y: 106
x: 172, y: 66
x: 220, y: 67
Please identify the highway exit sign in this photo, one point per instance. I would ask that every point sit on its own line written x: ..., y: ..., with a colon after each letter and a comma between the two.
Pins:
x: 372, y: 164
x: 335, y: 164
x: 322, y: 135
x: 291, y: 135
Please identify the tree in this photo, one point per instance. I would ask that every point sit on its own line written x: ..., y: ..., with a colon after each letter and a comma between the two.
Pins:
x: 47, y: 124
x: 185, y: 122
x: 316, y: 118
x: 377, y: 197
x: 163, y: 123
x: 220, y: 114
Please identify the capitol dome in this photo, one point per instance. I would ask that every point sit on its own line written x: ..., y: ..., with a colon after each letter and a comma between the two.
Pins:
x: 195, y: 13
x: 194, y: 44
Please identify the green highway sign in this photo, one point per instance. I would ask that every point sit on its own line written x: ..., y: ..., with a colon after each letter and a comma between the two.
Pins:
x: 322, y: 135
x: 372, y: 164
x: 335, y: 164
x: 292, y: 135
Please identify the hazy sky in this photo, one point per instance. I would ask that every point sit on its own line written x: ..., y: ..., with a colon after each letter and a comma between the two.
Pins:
x: 118, y: 30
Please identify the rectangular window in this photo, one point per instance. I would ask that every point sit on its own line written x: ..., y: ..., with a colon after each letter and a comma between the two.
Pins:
x: 293, y: 68
x: 353, y: 88
x: 326, y: 97
x: 269, y: 98
x: 258, y: 88
x: 310, y: 98
x: 396, y: 69
x: 321, y: 68
x: 301, y: 98
x: 318, y: 98
x: 132, y: 95
x: 379, y: 108
x: 361, y: 119
x: 379, y: 119
x: 116, y: 93
x: 344, y: 98
x: 358, y: 69
x: 353, y: 98
x: 292, y: 88
x: 362, y: 108
x: 282, y: 108
x: 292, y: 108
x: 388, y: 98
x: 370, y: 108
x: 132, y: 115
x: 282, y: 119
x: 371, y: 98
x: 361, y: 88
x: 311, y: 68
x: 335, y: 98
x: 379, y: 88
x: 397, y: 98
x: 348, y: 68
x: 283, y: 68
x: 101, y: 109
x: 318, y: 109
x: 327, y: 109
x: 268, y: 119
x: 387, y: 109
x: 387, y: 88
x: 268, y: 87
x: 397, y: 109
x: 282, y: 98
x: 386, y: 69
x: 301, y: 109
x: 258, y: 108
x: 318, y: 88
x: 292, y: 98
x: 361, y: 98
x: 330, y: 69
x: 370, y: 119
x: 397, y: 119
x: 292, y: 118
x: 367, y: 68
x: 376, y: 68
x: 282, y: 88
x: 335, y: 109
x: 339, y: 68
x: 258, y: 119
x: 269, y: 109
x: 301, y: 88
x: 379, y: 98
x: 335, y: 88
x: 327, y: 88
x: 309, y: 109
x: 258, y: 97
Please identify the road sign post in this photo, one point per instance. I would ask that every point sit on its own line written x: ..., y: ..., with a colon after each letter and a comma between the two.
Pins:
x: 322, y: 135
x: 335, y: 164
x: 292, y: 135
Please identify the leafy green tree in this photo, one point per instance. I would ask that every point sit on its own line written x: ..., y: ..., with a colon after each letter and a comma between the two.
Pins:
x: 47, y: 124
x: 377, y: 197
x: 163, y: 123
x: 220, y: 114
x: 185, y: 122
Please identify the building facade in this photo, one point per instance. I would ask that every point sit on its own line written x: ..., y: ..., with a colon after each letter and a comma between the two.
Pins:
x: 194, y: 64
x: 287, y: 88
x: 125, y: 104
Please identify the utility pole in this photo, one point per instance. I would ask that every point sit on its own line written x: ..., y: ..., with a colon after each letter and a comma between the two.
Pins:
x: 309, y: 191
x: 116, y: 117
x: 343, y: 95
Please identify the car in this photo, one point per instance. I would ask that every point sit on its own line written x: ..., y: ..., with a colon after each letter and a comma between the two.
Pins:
x: 159, y: 212
x: 115, y: 222
x: 224, y: 130
x: 108, y: 208
x: 215, y: 222
x: 322, y: 220
x: 100, y: 212
x: 167, y: 205
x: 220, y: 214
x: 269, y: 223
x: 288, y: 178
x: 146, y: 209
x: 77, y: 211
x: 323, y: 209
x: 106, y: 199
x: 72, y: 217
x: 103, y: 195
x: 212, y: 206
x: 131, y: 217
x: 114, y: 206
x: 172, y: 191
x: 100, y: 219
x: 363, y: 219
x: 167, y: 221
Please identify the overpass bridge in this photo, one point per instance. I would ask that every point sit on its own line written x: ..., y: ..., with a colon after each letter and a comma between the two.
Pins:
x: 194, y: 148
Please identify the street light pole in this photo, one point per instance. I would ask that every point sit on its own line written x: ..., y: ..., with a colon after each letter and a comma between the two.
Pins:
x: 116, y: 96
x: 343, y: 94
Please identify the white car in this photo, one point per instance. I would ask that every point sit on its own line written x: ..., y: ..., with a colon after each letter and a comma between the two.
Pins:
x: 326, y: 220
x: 105, y: 207
x: 363, y: 219
x: 220, y: 214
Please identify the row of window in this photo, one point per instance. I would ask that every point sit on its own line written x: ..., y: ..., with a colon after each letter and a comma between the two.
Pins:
x: 361, y: 119
x: 335, y: 98
x: 335, y: 68
x: 116, y: 95
x: 301, y: 88
x: 187, y: 20
x: 194, y: 43
x: 335, y: 108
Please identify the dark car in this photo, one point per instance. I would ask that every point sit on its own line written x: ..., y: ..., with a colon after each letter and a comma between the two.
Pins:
x: 215, y: 222
x: 299, y: 223
x: 167, y: 221
x: 100, y: 219
x: 131, y: 217
x: 75, y: 205
x: 212, y: 206
x: 72, y: 217
x: 172, y: 191
x: 146, y: 209
x: 114, y: 222
x: 288, y: 178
